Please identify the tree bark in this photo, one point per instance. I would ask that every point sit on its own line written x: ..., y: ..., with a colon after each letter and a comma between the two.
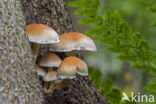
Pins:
x: 19, y: 82
x: 54, y: 13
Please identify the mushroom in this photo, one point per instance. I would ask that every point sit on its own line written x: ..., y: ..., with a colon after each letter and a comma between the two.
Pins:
x: 50, y: 60
x: 41, y: 34
x: 40, y: 71
x: 52, y: 82
x: 50, y: 76
x: 70, y: 66
x: 48, y: 86
x: 73, y: 41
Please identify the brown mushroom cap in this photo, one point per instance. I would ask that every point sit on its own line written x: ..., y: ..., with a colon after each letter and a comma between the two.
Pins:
x: 70, y: 66
x: 50, y: 60
x: 82, y: 68
x: 40, y: 71
x: 73, y: 41
x: 42, y: 34
x: 50, y: 76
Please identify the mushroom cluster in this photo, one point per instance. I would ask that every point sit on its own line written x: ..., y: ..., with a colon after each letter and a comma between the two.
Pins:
x: 55, y: 72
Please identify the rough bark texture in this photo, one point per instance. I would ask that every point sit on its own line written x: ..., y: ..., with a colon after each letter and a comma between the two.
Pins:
x: 19, y: 82
x: 54, y: 14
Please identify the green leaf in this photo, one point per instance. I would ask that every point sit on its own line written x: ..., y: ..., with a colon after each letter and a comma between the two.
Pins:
x: 154, y: 24
x: 109, y: 28
x: 82, y: 3
x: 153, y: 8
x: 97, y: 30
x: 90, y: 20
x: 108, y: 86
x: 86, y: 11
x: 127, y: 102
x: 115, y: 97
x: 148, y: 67
x: 117, y: 19
x: 96, y: 76
x: 119, y: 48
x: 125, y: 29
x: 151, y: 86
x: 108, y: 16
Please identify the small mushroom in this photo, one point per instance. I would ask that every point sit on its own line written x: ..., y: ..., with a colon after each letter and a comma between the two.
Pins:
x: 49, y: 79
x: 41, y: 34
x: 40, y: 71
x: 70, y: 66
x: 73, y: 41
x: 50, y: 76
x: 52, y: 82
x: 50, y: 60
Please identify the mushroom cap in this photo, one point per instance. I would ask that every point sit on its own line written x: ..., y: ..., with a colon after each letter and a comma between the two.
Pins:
x: 50, y: 60
x: 82, y: 68
x: 40, y: 71
x: 70, y: 66
x: 42, y: 34
x: 50, y: 76
x: 73, y: 41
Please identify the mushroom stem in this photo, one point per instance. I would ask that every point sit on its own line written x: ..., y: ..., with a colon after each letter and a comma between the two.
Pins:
x: 46, y: 85
x: 49, y: 87
x: 63, y: 84
x: 35, y: 49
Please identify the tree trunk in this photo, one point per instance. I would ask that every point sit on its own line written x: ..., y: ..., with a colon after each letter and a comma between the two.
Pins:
x: 54, y: 14
x: 19, y: 82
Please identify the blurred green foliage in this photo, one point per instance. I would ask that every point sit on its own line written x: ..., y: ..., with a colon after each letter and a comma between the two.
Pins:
x: 112, y: 94
x: 137, y: 14
x: 151, y: 86
x: 109, y: 28
x: 107, y: 87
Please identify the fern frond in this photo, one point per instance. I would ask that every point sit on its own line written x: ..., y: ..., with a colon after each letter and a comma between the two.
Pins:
x: 82, y: 3
x: 110, y: 29
x: 90, y: 20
